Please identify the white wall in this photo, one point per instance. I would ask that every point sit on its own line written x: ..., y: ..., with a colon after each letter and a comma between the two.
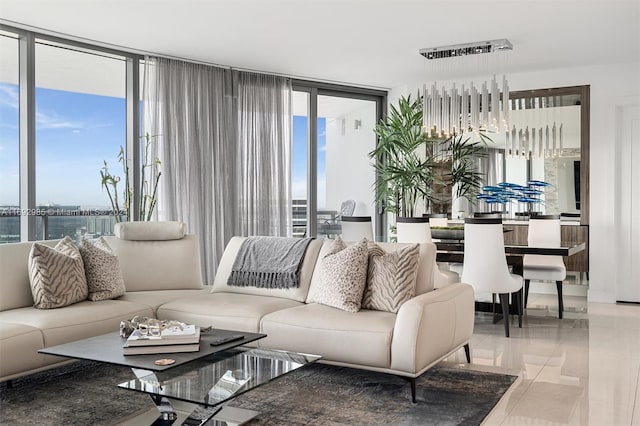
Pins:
x: 349, y: 171
x: 611, y: 86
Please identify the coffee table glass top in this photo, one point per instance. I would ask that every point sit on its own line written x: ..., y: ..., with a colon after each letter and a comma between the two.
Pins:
x: 220, y: 377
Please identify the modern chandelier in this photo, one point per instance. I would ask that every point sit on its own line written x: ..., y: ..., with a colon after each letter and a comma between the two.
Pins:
x: 483, y: 106
x: 477, y: 107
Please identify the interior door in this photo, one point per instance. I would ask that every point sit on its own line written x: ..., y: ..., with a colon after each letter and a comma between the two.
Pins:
x: 628, y: 204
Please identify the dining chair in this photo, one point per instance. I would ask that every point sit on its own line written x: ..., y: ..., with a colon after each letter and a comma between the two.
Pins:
x: 347, y: 208
x: 331, y: 227
x: 544, y: 231
x: 355, y: 228
x: 418, y: 230
x: 485, y: 264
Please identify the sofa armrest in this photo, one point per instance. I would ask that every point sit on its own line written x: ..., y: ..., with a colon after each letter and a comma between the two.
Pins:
x: 431, y: 325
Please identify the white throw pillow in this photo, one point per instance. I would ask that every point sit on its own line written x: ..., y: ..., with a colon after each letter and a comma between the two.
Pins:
x: 343, y: 276
x: 57, y: 275
x: 391, y: 277
x: 102, y: 269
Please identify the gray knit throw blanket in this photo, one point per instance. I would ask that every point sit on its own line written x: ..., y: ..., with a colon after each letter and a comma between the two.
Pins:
x: 269, y: 262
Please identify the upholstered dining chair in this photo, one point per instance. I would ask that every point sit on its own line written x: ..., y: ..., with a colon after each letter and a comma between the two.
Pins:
x: 544, y: 231
x: 418, y: 230
x: 355, y: 228
x: 485, y: 264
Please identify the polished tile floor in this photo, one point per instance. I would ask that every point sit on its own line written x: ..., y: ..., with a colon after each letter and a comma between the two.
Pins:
x: 581, y: 370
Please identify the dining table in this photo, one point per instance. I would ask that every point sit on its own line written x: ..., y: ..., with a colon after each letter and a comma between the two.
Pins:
x: 452, y: 251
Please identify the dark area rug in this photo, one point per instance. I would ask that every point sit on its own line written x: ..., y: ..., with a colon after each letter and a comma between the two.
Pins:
x: 85, y: 393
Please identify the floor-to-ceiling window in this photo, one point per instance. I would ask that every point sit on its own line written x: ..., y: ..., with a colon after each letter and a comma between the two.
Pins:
x: 333, y: 134
x: 66, y: 108
x: 345, y: 171
x: 80, y: 124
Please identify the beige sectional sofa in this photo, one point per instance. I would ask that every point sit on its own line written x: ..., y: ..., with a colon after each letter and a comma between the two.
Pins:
x: 173, y: 271
x: 163, y: 279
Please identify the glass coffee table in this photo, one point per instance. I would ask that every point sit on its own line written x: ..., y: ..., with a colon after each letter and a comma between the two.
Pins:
x: 195, y: 389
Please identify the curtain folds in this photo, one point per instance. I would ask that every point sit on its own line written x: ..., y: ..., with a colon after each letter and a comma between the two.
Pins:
x: 264, y: 117
x: 224, y: 142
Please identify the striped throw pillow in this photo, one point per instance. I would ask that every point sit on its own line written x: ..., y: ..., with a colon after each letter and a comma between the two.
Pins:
x: 57, y: 275
x: 102, y: 269
x: 391, y: 277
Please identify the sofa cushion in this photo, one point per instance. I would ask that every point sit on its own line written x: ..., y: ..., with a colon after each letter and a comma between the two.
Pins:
x: 230, y: 311
x: 299, y: 294
x: 344, y: 274
x: 156, y: 298
x: 391, y: 277
x: 77, y: 321
x: 57, y: 275
x: 159, y: 265
x: 14, y: 279
x: 424, y: 279
x: 19, y: 344
x: 102, y: 269
x: 150, y: 231
x: 362, y: 338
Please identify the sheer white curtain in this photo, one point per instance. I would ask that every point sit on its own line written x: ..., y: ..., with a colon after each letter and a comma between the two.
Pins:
x: 209, y: 179
x: 264, y: 120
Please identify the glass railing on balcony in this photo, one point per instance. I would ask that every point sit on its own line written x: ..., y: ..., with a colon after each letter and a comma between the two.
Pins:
x: 57, y: 222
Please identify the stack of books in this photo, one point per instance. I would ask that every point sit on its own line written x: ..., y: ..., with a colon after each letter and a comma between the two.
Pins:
x: 170, y: 340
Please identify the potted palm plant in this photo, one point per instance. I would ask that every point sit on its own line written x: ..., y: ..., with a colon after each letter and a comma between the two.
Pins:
x: 404, y: 170
x: 412, y: 168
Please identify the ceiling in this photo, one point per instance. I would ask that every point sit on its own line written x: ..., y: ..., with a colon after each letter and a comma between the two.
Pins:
x: 360, y: 42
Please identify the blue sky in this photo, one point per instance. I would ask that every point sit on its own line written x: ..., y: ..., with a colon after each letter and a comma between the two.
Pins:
x: 75, y: 132
x: 299, y: 156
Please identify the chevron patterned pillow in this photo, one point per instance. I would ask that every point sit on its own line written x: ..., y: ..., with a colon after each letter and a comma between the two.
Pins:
x: 57, y: 275
x: 391, y: 277
x: 102, y: 268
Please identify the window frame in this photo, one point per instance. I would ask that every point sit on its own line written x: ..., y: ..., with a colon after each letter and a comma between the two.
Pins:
x: 27, y: 120
x: 315, y: 89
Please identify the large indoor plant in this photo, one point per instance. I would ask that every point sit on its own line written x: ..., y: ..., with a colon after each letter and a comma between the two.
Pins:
x: 404, y: 170
x: 413, y: 168
x: 149, y: 178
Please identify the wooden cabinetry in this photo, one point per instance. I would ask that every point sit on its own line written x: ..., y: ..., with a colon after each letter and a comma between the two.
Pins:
x: 579, y: 262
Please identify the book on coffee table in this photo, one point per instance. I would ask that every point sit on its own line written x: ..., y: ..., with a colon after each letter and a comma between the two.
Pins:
x: 171, y: 340
x: 160, y: 349
x: 189, y: 334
